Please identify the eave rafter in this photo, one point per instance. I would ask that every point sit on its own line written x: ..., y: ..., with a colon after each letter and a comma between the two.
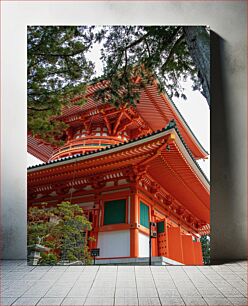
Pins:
x: 171, y: 205
x: 156, y: 105
x: 141, y: 124
x: 95, y: 180
x: 135, y: 154
x: 178, y: 174
x: 78, y: 172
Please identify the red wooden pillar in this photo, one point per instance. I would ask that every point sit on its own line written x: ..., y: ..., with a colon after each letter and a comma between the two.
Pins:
x: 188, y: 250
x: 198, y: 253
x: 175, y: 249
x: 134, y: 221
x: 95, y: 221
x: 166, y: 236
x: 94, y: 232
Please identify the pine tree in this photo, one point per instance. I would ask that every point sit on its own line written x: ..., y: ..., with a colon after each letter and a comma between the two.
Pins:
x: 62, y: 229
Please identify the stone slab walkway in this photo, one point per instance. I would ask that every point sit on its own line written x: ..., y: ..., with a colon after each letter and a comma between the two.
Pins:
x: 123, y: 285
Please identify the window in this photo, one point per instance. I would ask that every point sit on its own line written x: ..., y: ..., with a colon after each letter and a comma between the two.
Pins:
x: 144, y: 215
x: 160, y: 227
x: 114, y: 212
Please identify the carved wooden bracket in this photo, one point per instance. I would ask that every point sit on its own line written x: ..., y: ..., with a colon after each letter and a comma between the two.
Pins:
x: 154, y: 188
x: 61, y: 189
x: 168, y: 200
x: 97, y: 181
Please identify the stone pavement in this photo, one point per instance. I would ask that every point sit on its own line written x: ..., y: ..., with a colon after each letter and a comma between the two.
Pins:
x: 123, y: 285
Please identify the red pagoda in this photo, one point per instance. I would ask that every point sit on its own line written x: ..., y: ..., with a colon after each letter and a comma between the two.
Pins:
x: 128, y: 167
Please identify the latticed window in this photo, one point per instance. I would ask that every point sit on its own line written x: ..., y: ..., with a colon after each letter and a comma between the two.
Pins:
x: 144, y: 215
x: 114, y: 212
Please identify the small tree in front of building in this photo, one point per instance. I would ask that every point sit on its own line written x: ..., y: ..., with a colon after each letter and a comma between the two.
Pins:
x: 62, y: 229
x: 205, y: 242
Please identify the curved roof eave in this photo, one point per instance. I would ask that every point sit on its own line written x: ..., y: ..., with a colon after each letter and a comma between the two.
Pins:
x: 121, y: 146
x: 184, y: 122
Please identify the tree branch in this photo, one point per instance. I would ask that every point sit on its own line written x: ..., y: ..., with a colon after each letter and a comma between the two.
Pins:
x: 38, y: 109
x: 172, y: 51
x: 136, y: 42
x: 147, y: 47
x: 61, y: 55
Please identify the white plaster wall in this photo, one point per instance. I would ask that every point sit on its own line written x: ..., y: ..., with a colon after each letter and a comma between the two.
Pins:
x: 114, y: 244
x: 143, y: 245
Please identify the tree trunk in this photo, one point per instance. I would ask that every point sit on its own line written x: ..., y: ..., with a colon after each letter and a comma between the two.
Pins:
x: 198, y: 41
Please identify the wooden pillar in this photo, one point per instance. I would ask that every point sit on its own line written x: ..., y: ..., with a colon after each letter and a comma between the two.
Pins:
x: 154, y: 240
x: 166, y: 236
x: 188, y: 250
x: 175, y: 244
x: 181, y: 243
x: 95, y: 221
x: 198, y: 253
x: 134, y: 221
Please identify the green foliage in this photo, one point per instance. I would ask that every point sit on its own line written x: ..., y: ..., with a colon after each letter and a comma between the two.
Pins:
x: 58, y: 69
x: 62, y: 229
x: 48, y: 259
x: 38, y: 224
x: 205, y: 242
x: 161, y: 49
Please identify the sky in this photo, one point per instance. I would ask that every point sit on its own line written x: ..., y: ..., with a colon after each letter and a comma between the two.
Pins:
x: 195, y: 111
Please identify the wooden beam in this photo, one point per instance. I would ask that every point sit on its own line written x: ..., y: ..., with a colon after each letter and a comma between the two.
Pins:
x: 105, y: 118
x: 118, y: 122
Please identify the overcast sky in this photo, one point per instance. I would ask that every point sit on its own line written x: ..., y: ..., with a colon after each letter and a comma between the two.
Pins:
x: 195, y: 111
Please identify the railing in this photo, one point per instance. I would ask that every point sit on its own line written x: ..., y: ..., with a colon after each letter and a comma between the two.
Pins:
x: 76, y: 146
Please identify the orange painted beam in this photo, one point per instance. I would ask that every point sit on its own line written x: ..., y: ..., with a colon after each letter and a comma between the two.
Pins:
x: 117, y: 123
x: 107, y: 124
x: 114, y: 227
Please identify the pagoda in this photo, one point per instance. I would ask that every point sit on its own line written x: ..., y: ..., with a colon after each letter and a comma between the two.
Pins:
x: 127, y: 167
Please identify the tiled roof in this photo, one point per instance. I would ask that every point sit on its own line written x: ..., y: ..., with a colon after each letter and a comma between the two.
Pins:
x: 171, y: 125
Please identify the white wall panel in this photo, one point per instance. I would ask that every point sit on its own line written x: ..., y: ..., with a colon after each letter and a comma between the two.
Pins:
x: 143, y: 245
x: 114, y: 244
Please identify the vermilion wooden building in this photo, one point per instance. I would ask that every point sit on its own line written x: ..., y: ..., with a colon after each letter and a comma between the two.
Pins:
x: 126, y: 167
